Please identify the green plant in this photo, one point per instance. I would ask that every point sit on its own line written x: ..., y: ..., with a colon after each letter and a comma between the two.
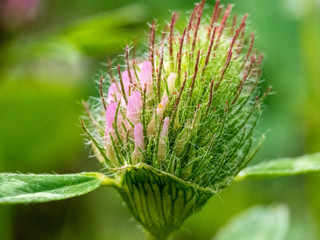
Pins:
x: 175, y: 128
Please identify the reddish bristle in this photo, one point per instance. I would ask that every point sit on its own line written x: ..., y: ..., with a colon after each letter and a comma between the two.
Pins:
x: 122, y: 85
x: 210, y: 98
x: 127, y: 63
x: 240, y: 87
x: 209, y: 50
x: 179, y: 57
x: 151, y: 46
x: 214, y: 16
x: 178, y: 99
x: 159, y: 74
x: 197, y: 25
x: 191, y: 21
x: 101, y: 93
x: 249, y: 50
x: 228, y: 59
x: 233, y: 26
x: 172, y: 23
x: 223, y: 23
x: 194, y: 75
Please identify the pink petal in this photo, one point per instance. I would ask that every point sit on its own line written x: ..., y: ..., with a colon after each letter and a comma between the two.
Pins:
x: 110, y: 116
x: 134, y: 107
x: 145, y: 76
x: 165, y: 127
x: 126, y: 80
x: 113, y: 94
x: 138, y: 136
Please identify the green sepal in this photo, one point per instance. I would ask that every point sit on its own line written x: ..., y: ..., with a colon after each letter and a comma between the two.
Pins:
x: 159, y: 201
x: 282, y: 167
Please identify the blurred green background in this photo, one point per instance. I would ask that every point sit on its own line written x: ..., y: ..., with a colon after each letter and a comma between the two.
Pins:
x: 52, y: 51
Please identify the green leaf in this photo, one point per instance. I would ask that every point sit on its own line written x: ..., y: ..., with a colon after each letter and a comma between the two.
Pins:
x: 282, y: 167
x: 259, y: 223
x: 31, y: 188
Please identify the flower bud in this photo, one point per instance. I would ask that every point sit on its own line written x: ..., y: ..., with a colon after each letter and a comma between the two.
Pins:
x: 186, y: 121
x: 162, y: 106
x: 134, y: 107
x: 139, y: 143
x: 113, y: 94
x: 145, y: 77
x: 171, y: 81
x: 163, y: 140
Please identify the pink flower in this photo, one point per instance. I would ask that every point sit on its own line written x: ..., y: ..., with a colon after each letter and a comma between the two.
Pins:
x: 114, y: 94
x: 138, y: 136
x: 139, y: 143
x: 134, y: 107
x: 126, y: 77
x: 145, y: 77
x: 126, y: 80
x: 110, y: 116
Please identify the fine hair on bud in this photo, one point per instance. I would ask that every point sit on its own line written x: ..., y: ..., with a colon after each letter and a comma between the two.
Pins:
x: 188, y: 107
